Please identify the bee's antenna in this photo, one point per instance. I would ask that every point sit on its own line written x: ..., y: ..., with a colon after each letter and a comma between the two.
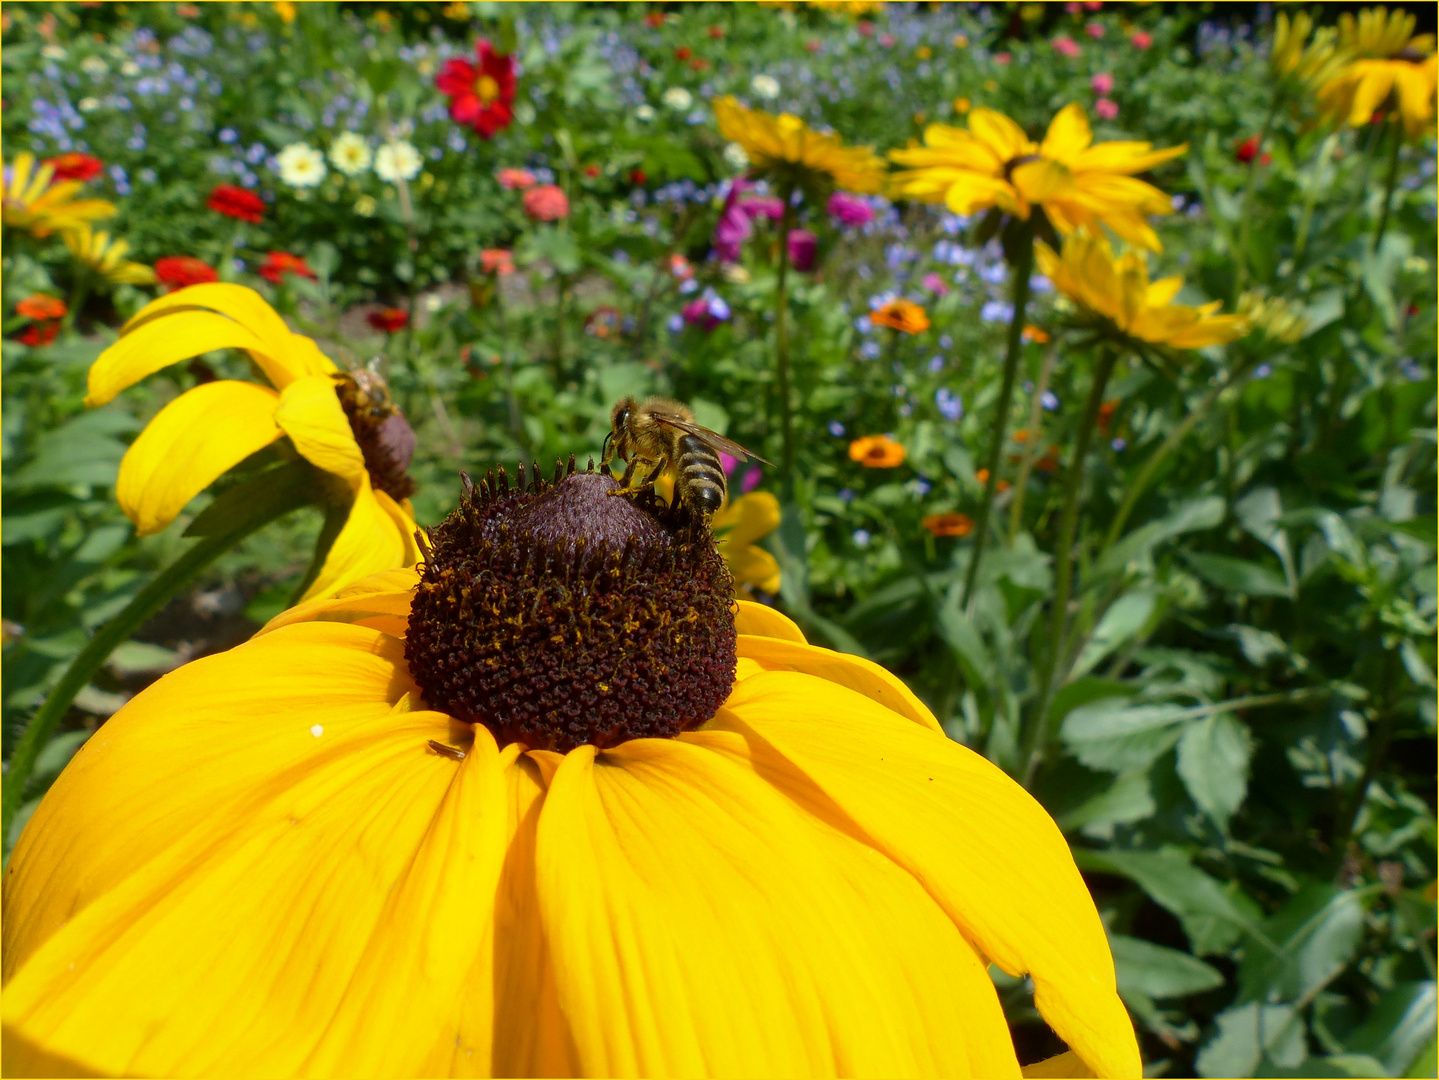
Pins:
x: 605, y: 449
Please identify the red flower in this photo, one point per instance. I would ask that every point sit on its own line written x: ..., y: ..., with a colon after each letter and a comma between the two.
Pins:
x: 546, y: 203
x: 592, y: 170
x: 497, y: 261
x: 236, y: 202
x: 481, y: 95
x: 516, y: 179
x: 683, y: 53
x: 699, y: 63
x: 178, y: 271
x: 1142, y: 39
x: 716, y: 32
x: 1248, y: 150
x: 655, y: 19
x: 280, y: 263
x: 637, y: 176
x: 40, y: 307
x: 388, y: 319
x: 76, y: 166
x: 40, y: 333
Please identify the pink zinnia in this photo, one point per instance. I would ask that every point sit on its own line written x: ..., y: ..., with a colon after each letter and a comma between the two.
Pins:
x: 935, y: 284
x: 516, y: 179
x: 1102, y: 84
x: 850, y: 209
x: 1065, y: 46
x: 1141, y: 39
x: 1002, y: 58
x: 1106, y: 109
x: 546, y: 203
x: 1094, y: 30
x: 802, y: 246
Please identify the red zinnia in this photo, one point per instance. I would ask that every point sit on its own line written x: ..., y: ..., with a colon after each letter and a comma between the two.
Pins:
x: 655, y: 19
x: 497, y: 261
x: 388, y: 319
x: 280, y: 263
x: 683, y: 53
x: 40, y: 307
x: 178, y: 271
x: 1248, y: 150
x: 546, y: 203
x: 516, y: 179
x: 40, y: 333
x: 481, y: 95
x: 76, y: 166
x: 637, y: 176
x: 236, y: 202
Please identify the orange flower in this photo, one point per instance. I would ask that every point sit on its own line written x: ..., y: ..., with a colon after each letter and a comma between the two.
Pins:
x: 1106, y: 414
x: 982, y: 475
x: 1050, y: 462
x: 877, y: 452
x: 1021, y: 436
x: 1035, y: 334
x: 41, y: 307
x: 948, y: 524
x: 903, y: 315
x: 497, y: 261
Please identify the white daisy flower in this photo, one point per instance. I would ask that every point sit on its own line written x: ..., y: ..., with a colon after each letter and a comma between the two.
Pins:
x: 301, y: 165
x: 677, y: 98
x: 735, y: 154
x: 397, y: 160
x: 765, y: 86
x: 350, y: 154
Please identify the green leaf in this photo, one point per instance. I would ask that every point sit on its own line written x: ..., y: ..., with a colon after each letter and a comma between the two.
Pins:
x: 1398, y: 1028
x: 1125, y: 618
x: 1141, y: 967
x: 1427, y: 1063
x: 83, y: 451
x: 1212, y: 917
x: 1359, y: 1065
x: 1127, y: 799
x: 1259, y: 512
x: 260, y: 497
x: 1213, y: 761
x: 1192, y: 516
x: 53, y: 759
x: 1114, y: 736
x: 1316, y: 933
x: 1238, y: 575
x: 141, y: 657
x: 1247, y: 1033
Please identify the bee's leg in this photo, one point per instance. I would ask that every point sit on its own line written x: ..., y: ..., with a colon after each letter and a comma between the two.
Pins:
x: 627, y: 484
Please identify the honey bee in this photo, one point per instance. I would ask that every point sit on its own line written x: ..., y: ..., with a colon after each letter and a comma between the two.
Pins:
x: 659, y: 433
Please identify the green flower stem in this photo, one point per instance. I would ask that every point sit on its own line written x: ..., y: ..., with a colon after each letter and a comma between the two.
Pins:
x: 1389, y: 183
x: 1032, y: 450
x: 1064, y: 561
x: 79, y: 290
x: 1246, y: 213
x: 1176, y: 436
x: 1020, y: 271
x: 1311, y: 197
x: 781, y: 340
x: 146, y: 603
x: 226, y: 269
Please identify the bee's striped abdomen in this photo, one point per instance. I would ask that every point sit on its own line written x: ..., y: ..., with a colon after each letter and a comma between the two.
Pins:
x: 700, y: 478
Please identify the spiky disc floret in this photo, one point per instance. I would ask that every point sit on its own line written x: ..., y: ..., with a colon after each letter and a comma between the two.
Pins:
x: 557, y: 615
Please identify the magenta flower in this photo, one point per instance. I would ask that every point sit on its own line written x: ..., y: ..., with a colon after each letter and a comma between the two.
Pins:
x: 1094, y: 30
x: 1106, y: 109
x: 1141, y: 39
x: 1102, y: 84
x: 763, y: 206
x: 850, y: 209
x: 935, y: 284
x: 751, y: 479
x: 1065, y: 46
x: 802, y: 244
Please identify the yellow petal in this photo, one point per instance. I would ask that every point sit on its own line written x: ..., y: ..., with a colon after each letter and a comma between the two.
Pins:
x: 369, y: 542
x: 192, y: 441
x: 1040, y: 180
x: 1068, y: 135
x: 978, y: 842
x: 1163, y: 291
x: 1125, y: 157
x: 1068, y: 1064
x: 1373, y: 88
x: 750, y: 565
x: 380, y: 601
x: 971, y: 192
x: 159, y: 344
x: 404, y: 522
x: 704, y: 924
x: 276, y: 353
x: 746, y: 519
x: 999, y: 133
x: 310, y: 413
x: 852, y: 672
x: 763, y: 621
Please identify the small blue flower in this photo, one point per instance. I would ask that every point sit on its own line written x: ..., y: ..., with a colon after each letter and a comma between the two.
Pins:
x: 836, y: 429
x: 688, y: 286
x: 1118, y: 444
x: 676, y: 323
x: 949, y: 404
x: 870, y: 350
x: 1263, y: 371
x: 936, y: 364
x: 1000, y: 311
x: 861, y: 538
x: 846, y: 496
x: 1049, y: 401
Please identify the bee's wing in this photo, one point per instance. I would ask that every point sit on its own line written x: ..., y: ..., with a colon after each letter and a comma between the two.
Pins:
x: 712, y: 439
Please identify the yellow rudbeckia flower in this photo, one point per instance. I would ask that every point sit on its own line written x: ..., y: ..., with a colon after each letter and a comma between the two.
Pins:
x: 994, y: 163
x: 737, y: 526
x: 1119, y: 290
x: 789, y: 152
x: 1295, y: 55
x: 290, y: 859
x: 1385, y: 58
x: 214, y: 426
x: 106, y: 256
x: 33, y: 203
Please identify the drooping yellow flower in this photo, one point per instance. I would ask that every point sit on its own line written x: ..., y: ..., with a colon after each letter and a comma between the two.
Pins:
x: 1273, y: 316
x: 216, y: 425
x: 106, y: 256
x: 1119, y: 289
x: 287, y: 859
x: 995, y: 164
x: 33, y: 203
x: 737, y: 526
x: 789, y: 152
x: 1295, y: 55
x: 1385, y: 58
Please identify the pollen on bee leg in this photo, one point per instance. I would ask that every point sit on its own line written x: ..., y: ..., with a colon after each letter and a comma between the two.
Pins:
x: 317, y: 730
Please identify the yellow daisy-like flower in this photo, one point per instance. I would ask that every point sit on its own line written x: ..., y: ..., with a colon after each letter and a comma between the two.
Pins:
x: 995, y: 164
x: 106, y: 256
x: 33, y: 203
x: 287, y: 860
x: 1294, y: 55
x: 214, y: 426
x: 737, y: 526
x: 789, y: 151
x: 1384, y: 58
x: 1119, y: 289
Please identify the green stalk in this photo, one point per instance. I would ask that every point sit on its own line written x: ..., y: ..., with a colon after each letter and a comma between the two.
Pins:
x: 1064, y: 559
x: 146, y: 603
x: 1311, y: 197
x: 1389, y: 182
x: 781, y: 339
x: 1138, y: 485
x: 1032, y: 450
x: 1020, y: 271
x: 1241, y: 252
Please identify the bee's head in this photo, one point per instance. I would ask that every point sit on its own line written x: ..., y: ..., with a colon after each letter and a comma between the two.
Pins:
x: 620, y: 416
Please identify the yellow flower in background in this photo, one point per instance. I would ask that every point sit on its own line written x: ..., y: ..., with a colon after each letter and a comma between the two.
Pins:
x: 1273, y: 316
x: 994, y: 163
x: 737, y: 526
x: 787, y: 150
x: 285, y: 9
x: 1295, y: 55
x: 1119, y: 289
x: 209, y: 429
x: 106, y: 256
x: 1386, y: 61
x: 33, y: 203
x: 264, y: 867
